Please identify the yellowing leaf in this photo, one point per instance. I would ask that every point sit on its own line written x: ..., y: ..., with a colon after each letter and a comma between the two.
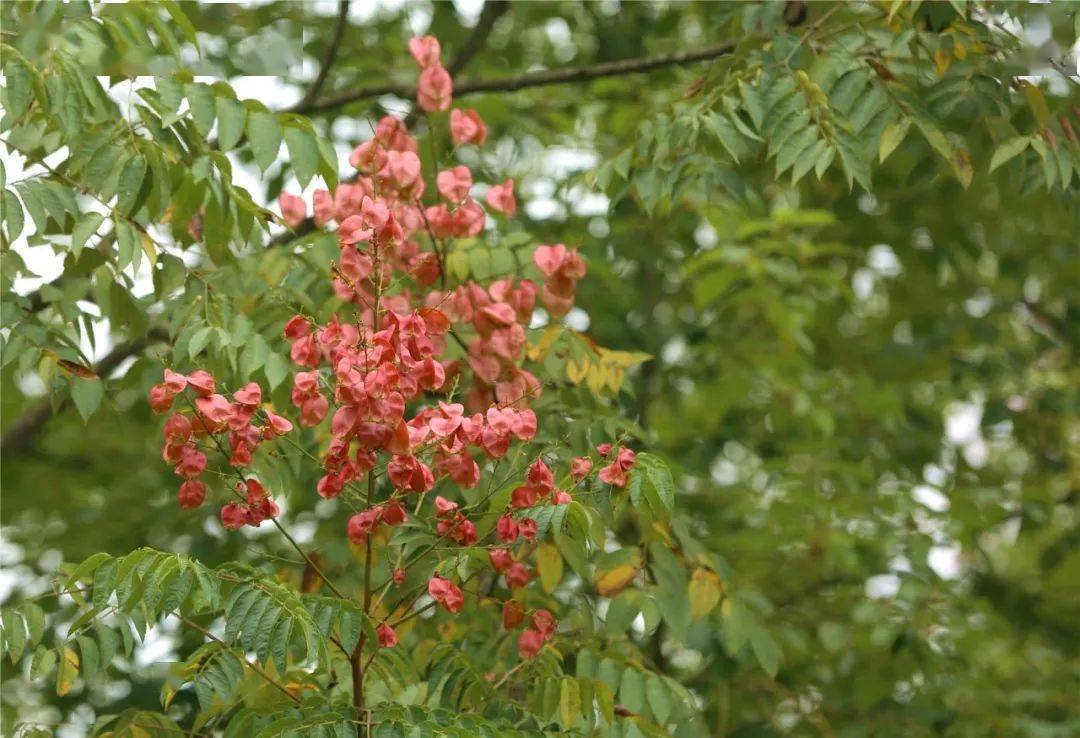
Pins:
x: 624, y: 359
x: 896, y: 5
x: 576, y: 371
x: 569, y: 701
x: 705, y: 589
x: 942, y: 60
x: 613, y: 581
x: 68, y: 670
x: 538, y: 351
x: 605, y: 700
x: 1037, y: 102
x: 550, y: 563
x: 597, y: 377
x: 961, y: 164
x: 149, y: 248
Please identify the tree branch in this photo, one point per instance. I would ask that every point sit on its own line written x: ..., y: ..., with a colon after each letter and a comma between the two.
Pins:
x: 534, y: 79
x: 24, y: 429
x: 493, y: 9
x: 331, y: 55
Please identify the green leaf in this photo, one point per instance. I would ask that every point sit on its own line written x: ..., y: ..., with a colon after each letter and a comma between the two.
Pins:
x: 87, y: 395
x: 351, y: 623
x: 170, y: 94
x: 12, y: 215
x: 753, y: 103
x: 183, y: 22
x: 825, y: 158
x: 231, y: 115
x: 35, y: 622
x: 457, y: 265
x: 847, y: 90
x: 795, y: 149
x: 91, y: 657
x: 573, y: 551
x: 935, y: 137
x: 43, y: 663
x: 737, y: 624
x: 65, y: 103
x: 276, y: 369
x: 328, y: 162
x: 200, y: 340
x: 892, y: 137
x: 303, y: 153
x: 632, y: 690
x: 585, y: 663
x: 18, y: 93
x: 660, y: 481
x: 108, y: 643
x: 129, y: 184
x: 88, y: 566
x: 103, y: 171
x: 241, y: 600
x: 86, y: 226
x: 264, y: 131
x: 808, y: 159
x: 659, y: 698
x: 856, y: 166
x: 766, y: 650
x: 104, y: 583
x: 127, y: 244
x: 254, y: 355
x: 14, y: 634
x: 201, y: 99
x: 726, y: 134
x: 621, y: 612
x: 1008, y: 150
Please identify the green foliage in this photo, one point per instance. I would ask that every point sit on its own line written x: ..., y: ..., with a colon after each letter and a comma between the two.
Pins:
x: 849, y: 105
x: 817, y: 247
x: 135, y: 171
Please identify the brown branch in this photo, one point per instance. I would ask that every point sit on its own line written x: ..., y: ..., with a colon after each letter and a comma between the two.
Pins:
x: 493, y: 9
x: 534, y: 79
x: 358, y: 670
x: 24, y: 429
x: 331, y: 55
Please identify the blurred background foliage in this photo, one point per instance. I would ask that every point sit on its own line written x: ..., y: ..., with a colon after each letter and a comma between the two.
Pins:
x: 849, y: 244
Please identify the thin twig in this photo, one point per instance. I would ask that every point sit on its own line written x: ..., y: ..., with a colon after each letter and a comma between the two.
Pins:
x: 331, y: 55
x: 358, y: 670
x: 491, y: 12
x: 1064, y: 70
x: 251, y: 665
